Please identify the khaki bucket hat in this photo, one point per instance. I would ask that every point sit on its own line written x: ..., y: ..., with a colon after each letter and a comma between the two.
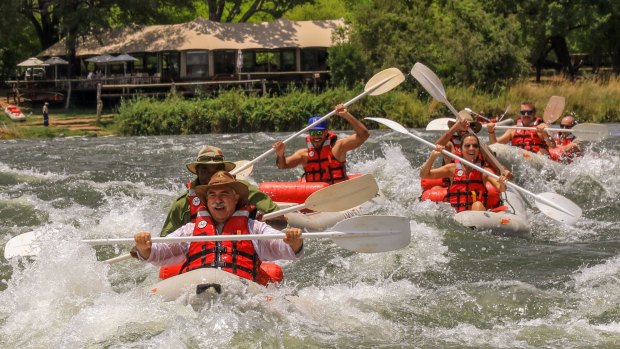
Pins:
x: 222, y: 179
x: 210, y: 155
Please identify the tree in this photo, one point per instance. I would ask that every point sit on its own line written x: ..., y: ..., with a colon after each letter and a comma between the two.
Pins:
x: 243, y: 10
x: 464, y: 41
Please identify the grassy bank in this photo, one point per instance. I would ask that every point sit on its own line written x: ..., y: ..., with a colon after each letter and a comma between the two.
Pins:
x: 234, y: 111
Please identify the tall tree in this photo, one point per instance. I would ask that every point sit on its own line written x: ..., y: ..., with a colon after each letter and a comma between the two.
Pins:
x: 464, y: 41
x: 243, y: 10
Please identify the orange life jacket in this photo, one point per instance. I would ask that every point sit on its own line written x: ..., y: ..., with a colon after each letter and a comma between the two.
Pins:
x: 465, y: 188
x: 456, y: 141
x: 528, y: 139
x: 322, y: 166
x: 236, y: 257
x: 194, y: 202
x: 557, y: 153
x: 561, y: 141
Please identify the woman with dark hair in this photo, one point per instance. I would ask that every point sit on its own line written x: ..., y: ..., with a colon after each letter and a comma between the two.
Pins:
x: 467, y: 190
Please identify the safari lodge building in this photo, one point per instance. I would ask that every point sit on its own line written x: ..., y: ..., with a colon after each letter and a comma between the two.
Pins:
x: 200, y: 54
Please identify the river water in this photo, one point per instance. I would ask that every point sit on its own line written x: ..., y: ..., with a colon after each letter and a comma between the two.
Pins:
x: 451, y: 287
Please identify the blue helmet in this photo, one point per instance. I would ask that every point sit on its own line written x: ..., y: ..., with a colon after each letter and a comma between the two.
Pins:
x: 320, y: 126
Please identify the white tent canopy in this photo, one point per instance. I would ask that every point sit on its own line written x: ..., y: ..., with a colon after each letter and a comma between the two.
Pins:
x: 32, y: 62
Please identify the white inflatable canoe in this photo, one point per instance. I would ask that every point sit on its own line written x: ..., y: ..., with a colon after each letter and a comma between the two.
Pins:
x: 201, y: 286
x: 515, y: 156
x: 511, y: 222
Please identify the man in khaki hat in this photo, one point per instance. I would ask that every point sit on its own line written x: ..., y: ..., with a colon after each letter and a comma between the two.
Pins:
x: 451, y: 139
x: 210, y: 160
x: 226, y: 213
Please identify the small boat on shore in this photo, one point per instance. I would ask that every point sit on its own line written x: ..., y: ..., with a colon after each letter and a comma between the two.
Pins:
x: 14, y: 112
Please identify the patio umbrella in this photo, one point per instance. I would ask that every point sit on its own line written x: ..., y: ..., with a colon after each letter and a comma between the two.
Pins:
x: 32, y: 62
x: 103, y: 59
x: 123, y: 58
x: 55, y: 61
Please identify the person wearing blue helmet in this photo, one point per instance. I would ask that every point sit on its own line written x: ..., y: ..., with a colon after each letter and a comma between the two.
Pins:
x: 324, y: 158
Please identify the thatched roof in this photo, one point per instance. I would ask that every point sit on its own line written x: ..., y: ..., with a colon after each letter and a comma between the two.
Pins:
x: 202, y: 34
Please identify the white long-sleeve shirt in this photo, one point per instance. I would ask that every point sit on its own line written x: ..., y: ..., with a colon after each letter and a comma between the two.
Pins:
x: 267, y: 250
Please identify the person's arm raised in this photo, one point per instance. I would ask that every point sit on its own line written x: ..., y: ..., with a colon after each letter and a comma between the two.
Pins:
x: 283, y: 162
x: 353, y: 141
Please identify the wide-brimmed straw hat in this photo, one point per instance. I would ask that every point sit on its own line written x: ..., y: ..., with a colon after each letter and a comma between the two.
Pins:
x: 210, y: 155
x: 475, y: 126
x: 222, y: 179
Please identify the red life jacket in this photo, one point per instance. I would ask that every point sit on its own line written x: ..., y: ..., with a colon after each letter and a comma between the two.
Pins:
x: 194, y: 202
x: 322, y: 166
x: 456, y: 141
x: 557, y: 153
x: 465, y: 189
x: 566, y: 140
x: 528, y: 139
x: 236, y: 257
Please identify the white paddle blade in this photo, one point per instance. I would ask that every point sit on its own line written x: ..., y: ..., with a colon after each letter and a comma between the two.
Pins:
x: 246, y: 172
x: 440, y: 124
x: 591, y: 132
x: 371, y: 234
x: 22, y: 245
x: 554, y: 109
x: 344, y: 195
x: 391, y: 124
x: 429, y: 81
x: 565, y: 211
x: 394, y: 78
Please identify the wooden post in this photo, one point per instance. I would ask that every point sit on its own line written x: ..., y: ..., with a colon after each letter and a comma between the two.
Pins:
x: 68, y: 101
x: 262, y: 81
x: 99, y: 102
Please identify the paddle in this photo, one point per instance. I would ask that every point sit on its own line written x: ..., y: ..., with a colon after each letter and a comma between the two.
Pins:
x: 505, y: 112
x: 585, y: 132
x: 246, y: 171
x: 380, y: 83
x: 365, y: 234
x: 337, y: 197
x: 554, y: 109
x: 441, y: 124
x: 433, y: 86
x: 478, y: 115
x: 553, y: 205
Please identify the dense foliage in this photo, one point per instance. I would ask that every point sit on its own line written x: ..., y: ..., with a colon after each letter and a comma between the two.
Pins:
x: 234, y: 111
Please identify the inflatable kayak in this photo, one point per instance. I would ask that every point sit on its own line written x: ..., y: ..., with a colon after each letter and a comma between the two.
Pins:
x: 201, y: 286
x: 287, y: 194
x: 510, y: 221
x: 13, y: 112
x: 515, y: 156
x: 509, y: 218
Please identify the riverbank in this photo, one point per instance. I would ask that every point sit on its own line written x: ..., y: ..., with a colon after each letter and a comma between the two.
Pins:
x: 62, y: 123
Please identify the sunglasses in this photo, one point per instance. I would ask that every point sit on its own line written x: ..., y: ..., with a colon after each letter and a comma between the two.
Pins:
x: 473, y: 145
x: 316, y: 133
x: 527, y: 112
x: 211, y: 158
x: 566, y: 126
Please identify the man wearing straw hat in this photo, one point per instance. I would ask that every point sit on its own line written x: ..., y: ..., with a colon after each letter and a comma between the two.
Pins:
x: 226, y: 213
x: 210, y: 159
